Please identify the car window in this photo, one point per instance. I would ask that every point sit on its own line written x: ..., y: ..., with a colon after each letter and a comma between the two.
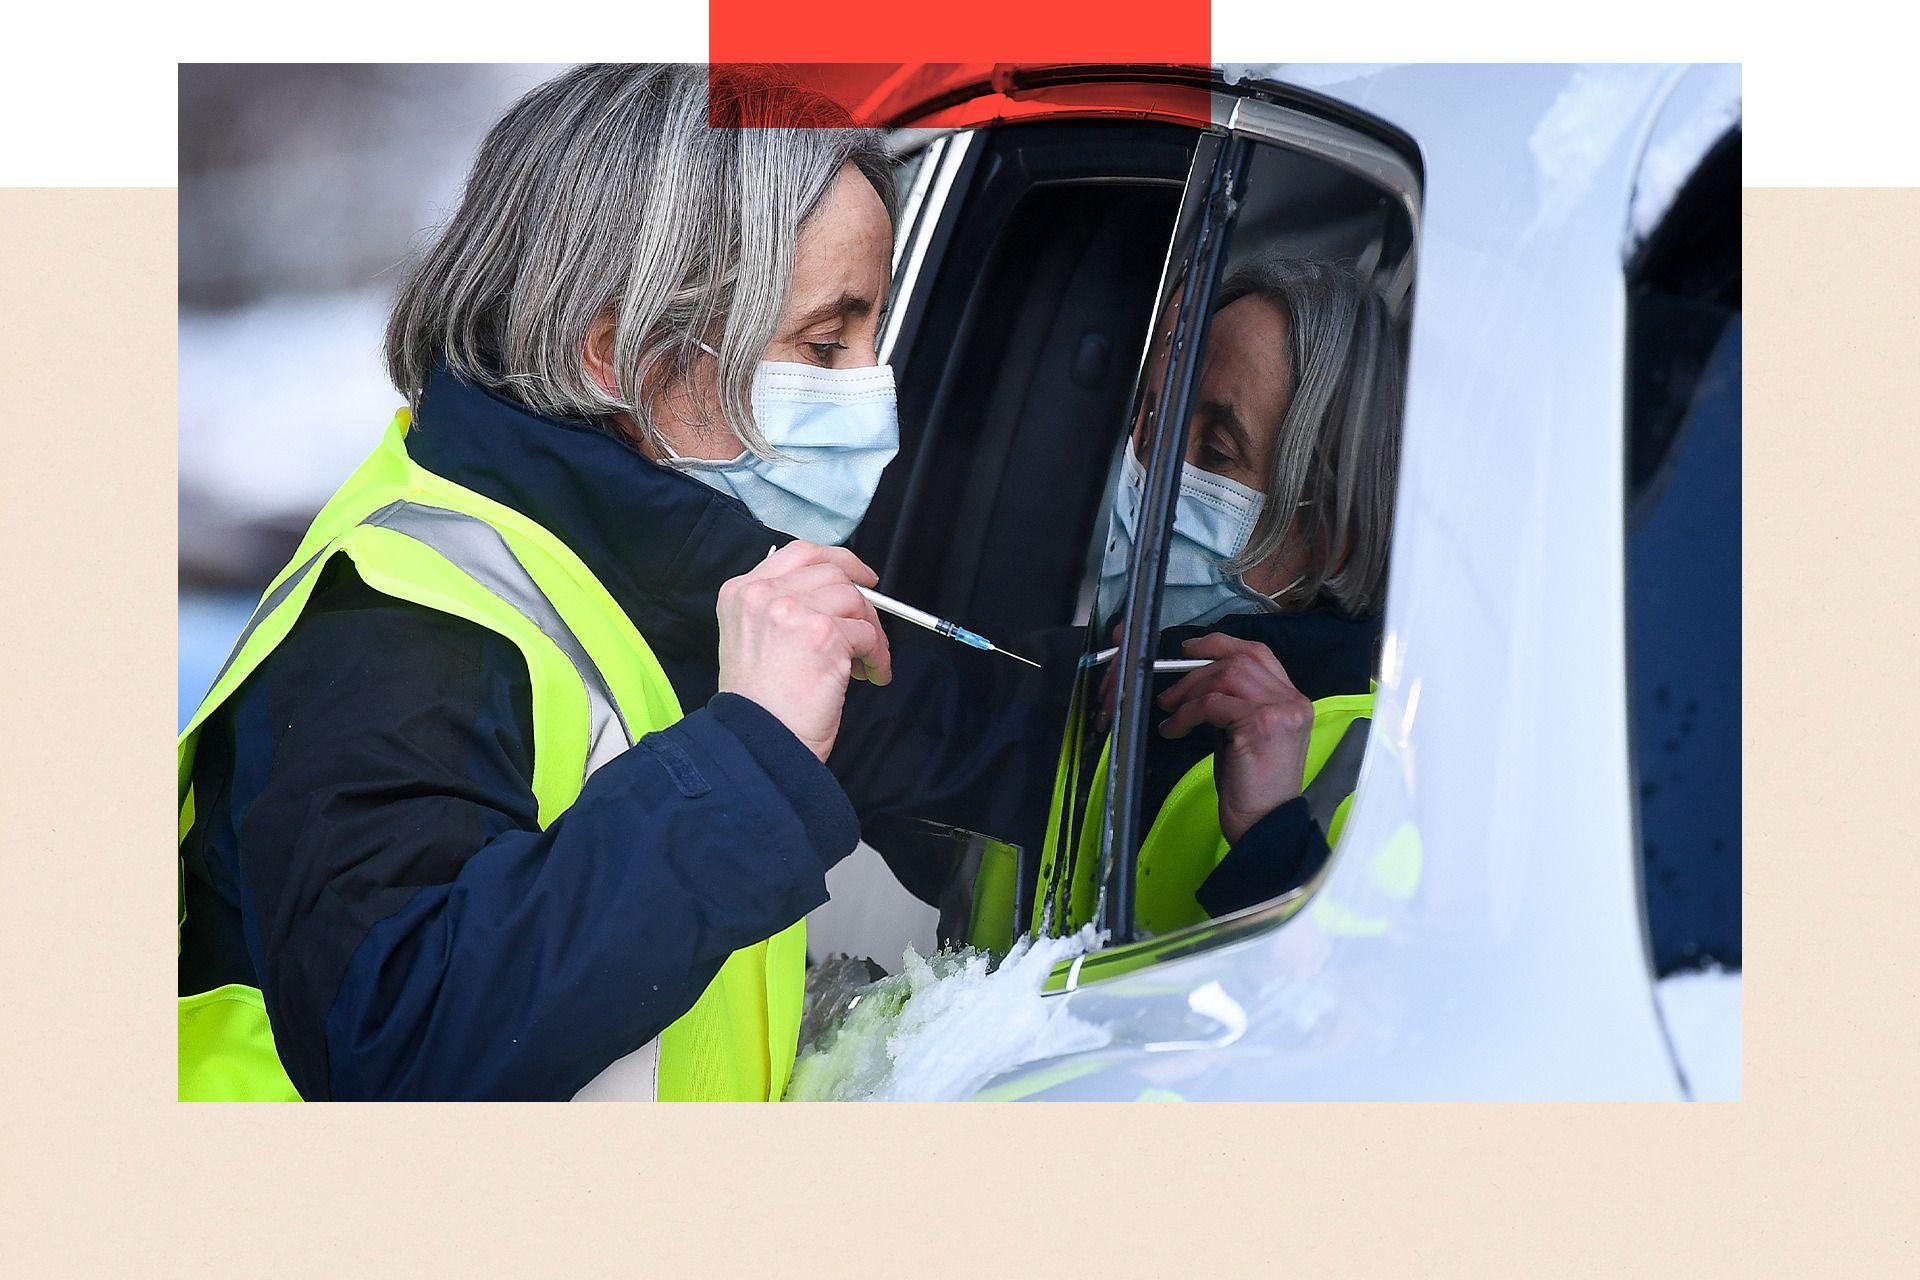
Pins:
x: 1683, y: 569
x: 1024, y: 290
x: 1251, y: 501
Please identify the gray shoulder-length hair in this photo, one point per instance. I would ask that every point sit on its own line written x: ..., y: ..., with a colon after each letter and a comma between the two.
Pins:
x: 1336, y: 460
x: 667, y: 196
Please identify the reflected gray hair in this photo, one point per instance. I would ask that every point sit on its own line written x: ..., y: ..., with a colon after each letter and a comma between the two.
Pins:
x: 668, y: 197
x: 1336, y: 459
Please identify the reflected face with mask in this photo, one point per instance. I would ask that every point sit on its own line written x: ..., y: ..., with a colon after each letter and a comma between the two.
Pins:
x: 1291, y: 454
x: 821, y: 399
x: 1246, y: 386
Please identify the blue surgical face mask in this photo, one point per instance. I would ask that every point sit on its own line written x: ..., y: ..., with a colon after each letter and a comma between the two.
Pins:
x: 836, y: 429
x: 1213, y: 519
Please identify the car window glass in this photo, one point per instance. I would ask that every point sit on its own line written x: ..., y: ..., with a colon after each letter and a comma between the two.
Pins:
x: 1273, y: 580
x: 1683, y: 570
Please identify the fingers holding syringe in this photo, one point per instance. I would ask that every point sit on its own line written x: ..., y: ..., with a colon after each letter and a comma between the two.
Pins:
x: 859, y: 624
x: 798, y: 557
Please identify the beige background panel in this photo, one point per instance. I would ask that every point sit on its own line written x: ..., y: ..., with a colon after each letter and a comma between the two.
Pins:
x: 103, y: 1173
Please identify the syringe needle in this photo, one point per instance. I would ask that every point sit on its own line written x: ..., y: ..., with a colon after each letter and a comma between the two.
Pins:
x: 937, y: 625
x: 1016, y: 657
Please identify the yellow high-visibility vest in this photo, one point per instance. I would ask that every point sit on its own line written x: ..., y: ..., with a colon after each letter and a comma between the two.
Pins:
x: 1185, y: 842
x: 597, y: 688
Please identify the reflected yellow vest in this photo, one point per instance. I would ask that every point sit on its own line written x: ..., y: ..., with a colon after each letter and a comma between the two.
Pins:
x: 597, y: 688
x: 1185, y: 842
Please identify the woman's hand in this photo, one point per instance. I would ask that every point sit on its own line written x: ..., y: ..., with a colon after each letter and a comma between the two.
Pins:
x: 1246, y: 694
x: 794, y: 630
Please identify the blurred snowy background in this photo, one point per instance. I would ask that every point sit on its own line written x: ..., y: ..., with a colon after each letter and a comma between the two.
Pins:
x: 303, y: 191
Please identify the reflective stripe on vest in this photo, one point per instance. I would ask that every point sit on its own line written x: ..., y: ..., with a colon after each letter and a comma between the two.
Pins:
x: 476, y: 548
x: 737, y: 1041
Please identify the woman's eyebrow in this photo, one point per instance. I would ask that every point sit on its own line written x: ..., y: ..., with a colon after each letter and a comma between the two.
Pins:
x: 847, y: 304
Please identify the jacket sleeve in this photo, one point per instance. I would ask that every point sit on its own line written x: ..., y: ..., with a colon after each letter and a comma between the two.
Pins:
x: 419, y: 935
x: 1278, y: 853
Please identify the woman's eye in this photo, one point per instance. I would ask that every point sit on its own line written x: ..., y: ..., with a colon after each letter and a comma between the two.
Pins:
x: 823, y: 351
x: 1215, y: 459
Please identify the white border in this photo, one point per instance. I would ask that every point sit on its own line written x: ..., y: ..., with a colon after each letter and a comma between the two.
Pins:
x: 88, y: 98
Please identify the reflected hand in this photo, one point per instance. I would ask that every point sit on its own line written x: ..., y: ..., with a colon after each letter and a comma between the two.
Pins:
x: 1247, y: 695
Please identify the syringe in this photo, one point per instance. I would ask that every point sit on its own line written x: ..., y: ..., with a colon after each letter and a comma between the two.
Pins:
x: 951, y: 630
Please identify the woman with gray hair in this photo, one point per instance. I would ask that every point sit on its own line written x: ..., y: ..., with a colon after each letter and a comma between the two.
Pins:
x: 445, y: 829
x: 1276, y: 574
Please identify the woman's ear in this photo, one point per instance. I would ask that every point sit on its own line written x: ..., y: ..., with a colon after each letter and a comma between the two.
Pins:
x: 598, y: 354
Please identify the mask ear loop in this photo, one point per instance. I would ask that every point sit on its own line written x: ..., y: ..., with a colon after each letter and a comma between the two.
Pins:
x: 1239, y: 580
x: 674, y: 458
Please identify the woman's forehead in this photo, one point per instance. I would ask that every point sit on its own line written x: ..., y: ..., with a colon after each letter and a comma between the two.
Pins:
x: 1247, y: 362
x: 844, y: 249
x: 1253, y: 330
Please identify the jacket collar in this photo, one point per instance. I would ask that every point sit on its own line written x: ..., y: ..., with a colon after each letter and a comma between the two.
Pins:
x: 660, y: 542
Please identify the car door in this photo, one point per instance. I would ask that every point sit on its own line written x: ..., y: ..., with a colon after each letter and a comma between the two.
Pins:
x: 1033, y: 264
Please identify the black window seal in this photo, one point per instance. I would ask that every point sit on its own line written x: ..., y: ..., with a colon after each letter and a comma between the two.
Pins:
x: 1199, y: 277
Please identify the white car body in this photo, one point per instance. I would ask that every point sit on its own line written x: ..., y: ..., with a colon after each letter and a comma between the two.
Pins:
x: 1518, y: 968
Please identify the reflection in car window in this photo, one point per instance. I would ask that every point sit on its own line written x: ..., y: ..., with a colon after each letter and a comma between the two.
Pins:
x: 1275, y: 568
